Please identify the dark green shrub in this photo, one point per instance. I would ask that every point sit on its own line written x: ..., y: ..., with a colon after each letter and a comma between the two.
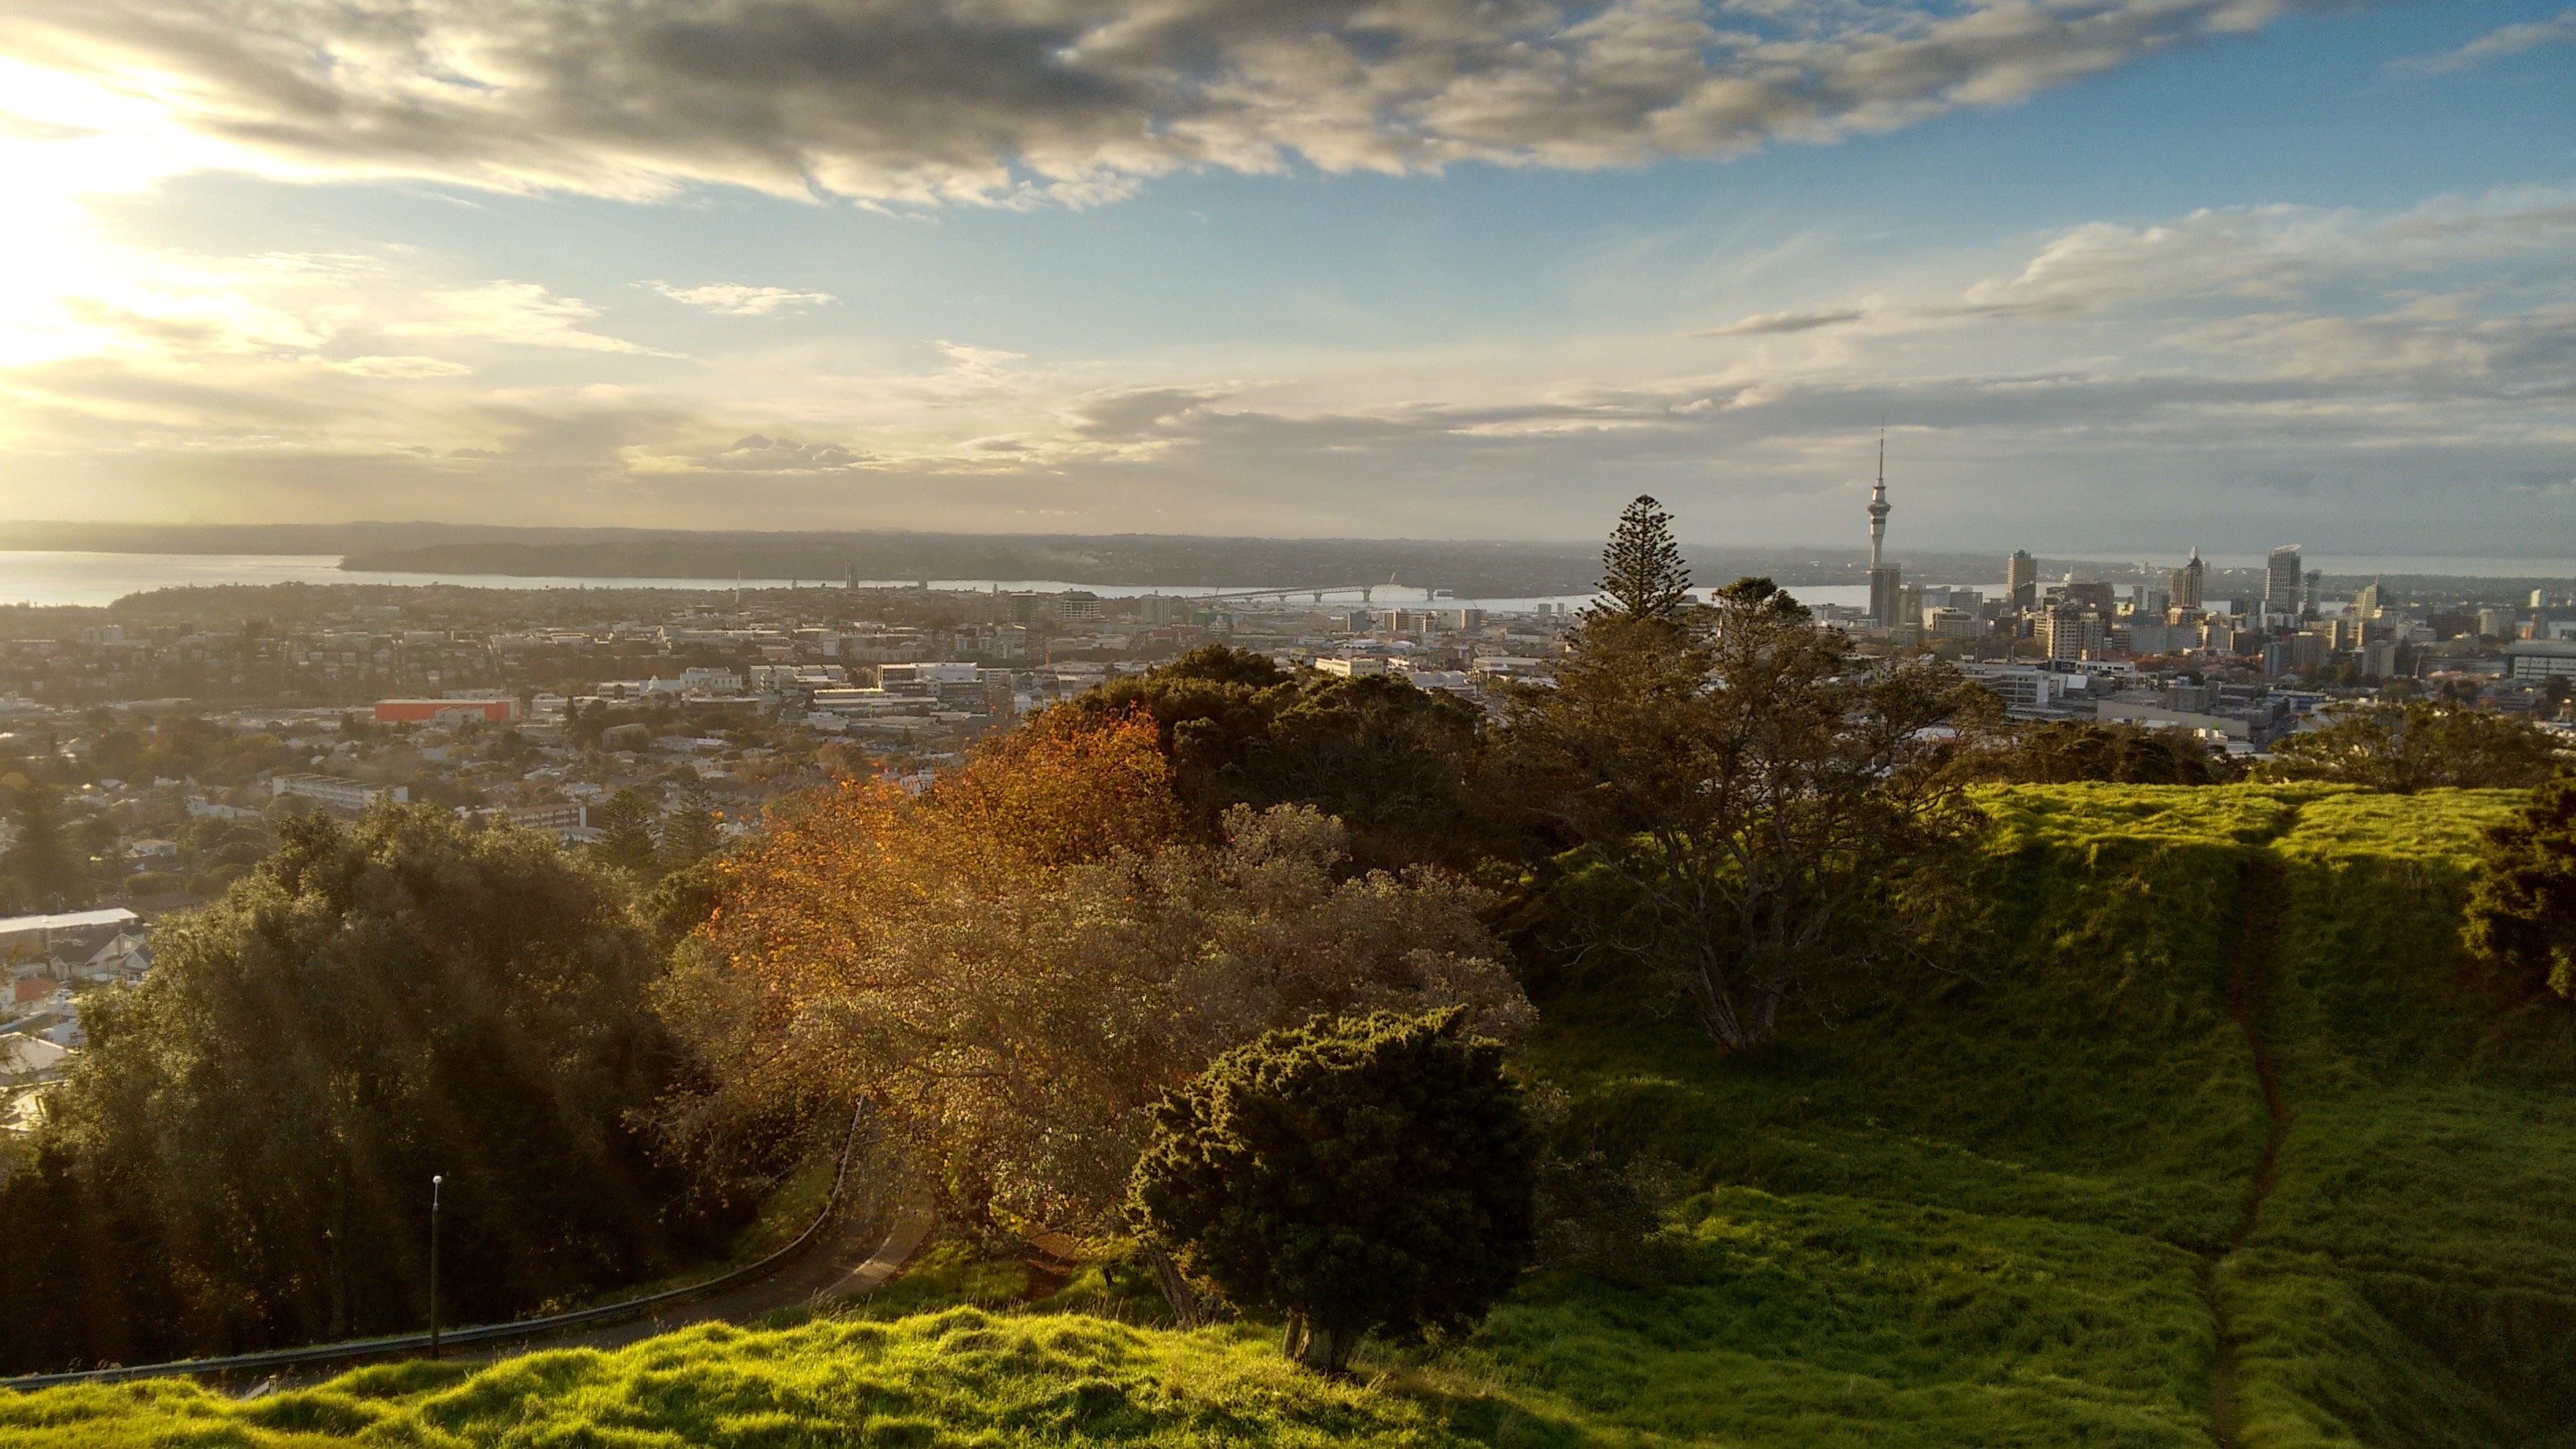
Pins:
x: 1356, y: 1175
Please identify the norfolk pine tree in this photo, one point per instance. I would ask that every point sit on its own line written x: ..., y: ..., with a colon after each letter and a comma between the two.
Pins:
x: 1642, y: 574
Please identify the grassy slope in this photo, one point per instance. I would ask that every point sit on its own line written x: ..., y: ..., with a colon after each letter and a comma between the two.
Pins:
x: 1997, y: 1211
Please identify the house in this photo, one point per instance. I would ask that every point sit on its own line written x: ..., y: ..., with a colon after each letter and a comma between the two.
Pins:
x: 29, y: 1059
x: 123, y: 959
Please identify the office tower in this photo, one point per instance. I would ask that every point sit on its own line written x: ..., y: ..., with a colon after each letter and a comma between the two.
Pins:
x: 2188, y: 581
x: 2283, y: 579
x: 2021, y: 579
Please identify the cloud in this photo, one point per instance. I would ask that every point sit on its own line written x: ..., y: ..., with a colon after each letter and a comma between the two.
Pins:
x: 735, y: 299
x: 515, y: 314
x: 1767, y: 324
x: 930, y: 101
x: 2495, y: 44
x: 2088, y: 386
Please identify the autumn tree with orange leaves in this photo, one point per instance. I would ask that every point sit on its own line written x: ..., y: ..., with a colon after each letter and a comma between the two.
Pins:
x: 1013, y: 967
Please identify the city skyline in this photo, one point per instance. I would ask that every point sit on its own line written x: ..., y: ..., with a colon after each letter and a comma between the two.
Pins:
x: 2120, y: 276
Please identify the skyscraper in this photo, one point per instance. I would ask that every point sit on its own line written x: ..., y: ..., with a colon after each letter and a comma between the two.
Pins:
x: 2283, y: 581
x: 2188, y: 581
x: 1885, y: 583
x: 2021, y: 579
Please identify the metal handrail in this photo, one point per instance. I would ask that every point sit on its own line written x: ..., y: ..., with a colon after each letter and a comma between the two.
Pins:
x: 364, y: 1348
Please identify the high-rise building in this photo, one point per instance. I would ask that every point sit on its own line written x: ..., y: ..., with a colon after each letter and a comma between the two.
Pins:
x: 2187, y: 582
x: 2021, y: 579
x: 2069, y: 633
x: 1885, y: 583
x: 2314, y: 597
x: 2368, y: 600
x: 2283, y: 580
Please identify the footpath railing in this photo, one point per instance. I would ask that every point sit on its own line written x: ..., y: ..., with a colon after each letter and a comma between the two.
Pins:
x: 357, y: 1349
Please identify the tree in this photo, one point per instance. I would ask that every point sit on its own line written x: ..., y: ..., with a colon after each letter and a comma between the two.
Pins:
x: 240, y: 1158
x: 2522, y: 910
x: 2421, y: 745
x: 1766, y: 807
x: 1397, y: 765
x: 1642, y: 574
x: 626, y: 840
x: 692, y: 831
x: 2065, y: 751
x: 41, y: 857
x: 1358, y: 1176
x: 1013, y: 967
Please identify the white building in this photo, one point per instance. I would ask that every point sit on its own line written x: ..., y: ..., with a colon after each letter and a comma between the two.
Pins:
x: 347, y: 796
x: 2540, y: 658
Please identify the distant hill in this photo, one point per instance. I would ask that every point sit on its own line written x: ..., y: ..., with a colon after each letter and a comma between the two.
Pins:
x: 1468, y: 568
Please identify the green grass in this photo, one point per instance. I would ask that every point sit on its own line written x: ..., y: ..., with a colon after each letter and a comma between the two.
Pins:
x: 1997, y: 1209
x: 958, y: 1377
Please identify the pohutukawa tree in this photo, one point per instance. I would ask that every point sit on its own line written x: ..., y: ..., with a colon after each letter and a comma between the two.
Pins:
x: 1014, y: 967
x: 1354, y: 1175
x: 1765, y: 804
x: 1642, y: 574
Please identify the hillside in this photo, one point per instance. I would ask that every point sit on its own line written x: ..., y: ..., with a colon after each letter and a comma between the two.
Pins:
x: 2204, y: 1147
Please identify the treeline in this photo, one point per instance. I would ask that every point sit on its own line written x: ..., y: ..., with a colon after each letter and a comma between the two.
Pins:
x: 243, y: 1157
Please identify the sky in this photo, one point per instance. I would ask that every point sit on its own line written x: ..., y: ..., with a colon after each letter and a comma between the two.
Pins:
x: 2113, y: 275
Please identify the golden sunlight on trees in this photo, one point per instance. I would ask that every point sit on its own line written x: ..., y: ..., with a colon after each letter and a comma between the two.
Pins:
x: 1014, y: 967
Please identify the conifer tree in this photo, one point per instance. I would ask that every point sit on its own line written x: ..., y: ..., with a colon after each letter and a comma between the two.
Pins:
x: 693, y: 831
x: 626, y: 836
x: 1642, y: 574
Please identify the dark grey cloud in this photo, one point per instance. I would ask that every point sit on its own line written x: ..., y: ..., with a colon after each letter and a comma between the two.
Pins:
x: 926, y: 100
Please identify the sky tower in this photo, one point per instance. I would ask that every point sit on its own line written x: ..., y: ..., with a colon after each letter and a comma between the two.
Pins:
x: 1879, y: 508
x: 1886, y: 583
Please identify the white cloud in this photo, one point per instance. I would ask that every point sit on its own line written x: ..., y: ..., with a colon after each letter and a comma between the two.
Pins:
x: 515, y: 314
x: 924, y: 101
x: 2495, y: 44
x: 735, y: 299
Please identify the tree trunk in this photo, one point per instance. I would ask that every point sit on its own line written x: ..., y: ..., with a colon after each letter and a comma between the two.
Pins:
x: 1325, y: 1350
x: 1190, y: 1308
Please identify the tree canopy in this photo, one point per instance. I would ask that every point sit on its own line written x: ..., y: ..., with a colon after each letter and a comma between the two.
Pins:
x: 1758, y: 798
x: 1397, y: 765
x: 2522, y: 911
x: 2063, y: 752
x: 1013, y: 966
x: 2421, y: 745
x: 1354, y: 1175
x: 242, y: 1157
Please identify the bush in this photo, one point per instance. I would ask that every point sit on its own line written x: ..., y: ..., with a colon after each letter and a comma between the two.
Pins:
x: 1356, y: 1175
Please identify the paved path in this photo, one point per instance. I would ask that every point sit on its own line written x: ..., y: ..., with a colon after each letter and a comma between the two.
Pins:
x: 853, y: 1256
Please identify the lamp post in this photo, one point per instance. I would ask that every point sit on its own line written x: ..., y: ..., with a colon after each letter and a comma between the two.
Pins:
x: 434, y: 1183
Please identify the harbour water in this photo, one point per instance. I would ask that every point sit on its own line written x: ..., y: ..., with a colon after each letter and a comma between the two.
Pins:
x: 97, y: 579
